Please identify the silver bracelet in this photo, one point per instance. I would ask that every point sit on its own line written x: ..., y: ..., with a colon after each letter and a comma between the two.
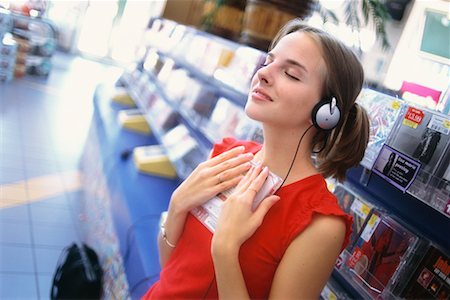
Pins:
x: 164, y: 236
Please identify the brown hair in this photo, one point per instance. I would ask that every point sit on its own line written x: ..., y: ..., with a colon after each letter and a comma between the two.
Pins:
x: 344, y: 146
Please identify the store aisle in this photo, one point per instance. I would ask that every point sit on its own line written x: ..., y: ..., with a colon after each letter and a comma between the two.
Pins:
x: 43, y: 126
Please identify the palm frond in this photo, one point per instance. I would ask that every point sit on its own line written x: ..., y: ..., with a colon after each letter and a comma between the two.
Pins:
x: 372, y: 11
x: 325, y: 14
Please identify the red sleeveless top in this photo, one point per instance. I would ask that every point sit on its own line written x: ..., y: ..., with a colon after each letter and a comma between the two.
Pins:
x: 189, y: 273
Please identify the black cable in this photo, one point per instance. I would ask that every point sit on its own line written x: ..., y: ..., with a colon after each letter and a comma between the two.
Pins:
x: 295, y: 156
x: 327, y: 135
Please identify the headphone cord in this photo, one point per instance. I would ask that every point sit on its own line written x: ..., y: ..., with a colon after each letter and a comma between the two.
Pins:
x: 295, y: 156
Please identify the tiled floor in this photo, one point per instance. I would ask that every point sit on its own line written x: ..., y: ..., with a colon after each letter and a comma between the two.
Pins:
x: 43, y: 125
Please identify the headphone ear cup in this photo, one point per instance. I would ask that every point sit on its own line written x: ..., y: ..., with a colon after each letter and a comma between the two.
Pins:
x: 324, y: 117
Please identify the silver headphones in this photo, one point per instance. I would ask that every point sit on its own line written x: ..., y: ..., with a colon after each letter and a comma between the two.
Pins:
x: 326, y: 114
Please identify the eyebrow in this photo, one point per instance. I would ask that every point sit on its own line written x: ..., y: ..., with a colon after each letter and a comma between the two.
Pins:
x: 291, y: 62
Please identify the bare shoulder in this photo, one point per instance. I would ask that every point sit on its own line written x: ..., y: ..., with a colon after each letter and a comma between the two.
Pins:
x: 309, y: 259
x: 327, y: 231
x: 327, y: 225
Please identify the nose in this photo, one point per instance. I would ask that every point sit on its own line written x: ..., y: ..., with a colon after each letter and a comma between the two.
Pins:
x: 264, y: 74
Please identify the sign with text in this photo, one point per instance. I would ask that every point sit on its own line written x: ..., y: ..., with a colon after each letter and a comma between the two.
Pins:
x: 395, y: 167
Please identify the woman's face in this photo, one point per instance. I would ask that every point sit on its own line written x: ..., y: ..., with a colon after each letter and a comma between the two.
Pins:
x: 284, y: 91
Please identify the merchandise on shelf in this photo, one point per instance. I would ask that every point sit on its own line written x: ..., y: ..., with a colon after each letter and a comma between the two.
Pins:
x: 178, y: 84
x: 383, y: 112
x: 5, y: 22
x: 8, y: 54
x: 182, y: 150
x: 248, y: 129
x: 37, y: 43
x: 383, y: 246
x: 243, y: 65
x: 134, y: 120
x: 122, y: 96
x: 153, y: 62
x: 199, y: 101
x: 420, y: 140
x: 426, y: 278
x: 333, y: 291
x: 224, y: 120
x: 153, y: 160
x: 355, y: 206
x: 159, y: 34
x: 164, y: 117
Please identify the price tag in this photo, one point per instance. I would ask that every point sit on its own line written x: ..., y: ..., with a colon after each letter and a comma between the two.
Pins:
x: 413, y: 117
x: 360, y: 208
x: 396, y: 105
x: 328, y: 294
x: 439, y: 124
x: 357, y: 253
x: 370, y: 227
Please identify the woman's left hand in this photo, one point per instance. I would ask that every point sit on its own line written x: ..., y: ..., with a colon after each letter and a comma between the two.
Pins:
x: 237, y: 221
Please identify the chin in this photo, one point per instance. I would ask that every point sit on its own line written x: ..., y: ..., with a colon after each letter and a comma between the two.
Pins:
x: 253, y: 113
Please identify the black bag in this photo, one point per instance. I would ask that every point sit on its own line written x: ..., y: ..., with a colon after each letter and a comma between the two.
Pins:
x: 78, y: 274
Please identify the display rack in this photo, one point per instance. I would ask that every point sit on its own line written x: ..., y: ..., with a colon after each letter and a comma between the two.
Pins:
x: 36, y: 40
x: 188, y: 85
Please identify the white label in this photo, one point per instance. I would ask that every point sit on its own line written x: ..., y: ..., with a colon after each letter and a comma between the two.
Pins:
x: 360, y: 208
x: 440, y: 124
x: 370, y: 228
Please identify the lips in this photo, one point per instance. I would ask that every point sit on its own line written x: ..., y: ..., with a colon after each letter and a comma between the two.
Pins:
x: 259, y: 94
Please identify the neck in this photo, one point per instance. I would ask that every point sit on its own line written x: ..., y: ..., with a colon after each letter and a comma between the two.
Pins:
x: 279, y: 149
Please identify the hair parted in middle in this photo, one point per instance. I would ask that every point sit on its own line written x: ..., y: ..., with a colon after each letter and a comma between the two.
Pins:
x: 344, y: 146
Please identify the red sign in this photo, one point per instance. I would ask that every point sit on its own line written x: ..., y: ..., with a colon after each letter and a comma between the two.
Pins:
x: 357, y: 253
x: 414, y: 115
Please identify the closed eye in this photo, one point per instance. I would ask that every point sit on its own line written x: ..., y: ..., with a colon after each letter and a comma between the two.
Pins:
x: 291, y: 76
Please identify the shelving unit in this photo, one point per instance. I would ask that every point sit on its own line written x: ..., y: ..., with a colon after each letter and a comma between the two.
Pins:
x: 36, y: 40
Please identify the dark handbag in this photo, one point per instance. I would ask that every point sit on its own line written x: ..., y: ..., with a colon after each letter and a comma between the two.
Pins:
x: 78, y: 274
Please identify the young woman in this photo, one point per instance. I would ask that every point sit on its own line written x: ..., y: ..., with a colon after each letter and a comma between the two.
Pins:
x: 304, y: 96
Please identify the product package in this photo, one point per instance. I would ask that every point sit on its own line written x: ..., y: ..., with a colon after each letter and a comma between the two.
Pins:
x: 355, y: 206
x: 159, y: 32
x: 5, y: 22
x: 384, y: 245
x: 178, y: 84
x: 198, y: 102
x: 224, y: 120
x: 427, y: 278
x: 358, y: 208
x: 423, y: 136
x: 183, y: 150
x: 153, y: 62
x: 239, y: 72
x: 209, y: 212
x: 249, y: 129
x: 163, y: 116
x: 333, y: 291
x: 383, y: 112
x: 438, y: 189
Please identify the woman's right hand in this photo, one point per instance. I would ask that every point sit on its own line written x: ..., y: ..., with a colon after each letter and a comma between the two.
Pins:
x: 212, y: 177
